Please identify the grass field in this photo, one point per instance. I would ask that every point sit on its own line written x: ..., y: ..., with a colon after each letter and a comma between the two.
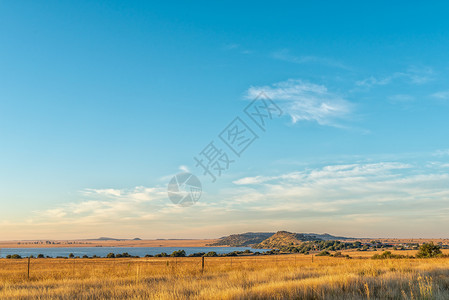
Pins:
x: 254, y: 277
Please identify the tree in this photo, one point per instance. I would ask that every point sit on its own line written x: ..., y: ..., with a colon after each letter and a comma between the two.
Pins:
x: 179, y: 253
x: 110, y: 255
x: 211, y: 254
x: 71, y: 255
x: 428, y: 250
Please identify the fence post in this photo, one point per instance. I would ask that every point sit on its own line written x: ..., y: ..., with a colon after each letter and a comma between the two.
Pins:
x: 28, y: 269
x: 202, y: 264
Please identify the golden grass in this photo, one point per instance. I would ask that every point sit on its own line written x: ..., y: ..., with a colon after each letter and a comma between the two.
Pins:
x: 267, y: 277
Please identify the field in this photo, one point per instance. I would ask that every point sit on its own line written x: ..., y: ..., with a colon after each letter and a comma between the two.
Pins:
x: 252, y: 277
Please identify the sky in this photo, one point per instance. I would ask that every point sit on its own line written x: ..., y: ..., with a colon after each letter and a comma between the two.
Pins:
x: 103, y: 102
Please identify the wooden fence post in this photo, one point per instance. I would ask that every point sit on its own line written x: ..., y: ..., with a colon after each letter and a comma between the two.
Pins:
x: 28, y: 270
x: 202, y: 264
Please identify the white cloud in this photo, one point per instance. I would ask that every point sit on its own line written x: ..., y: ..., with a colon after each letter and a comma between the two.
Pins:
x: 348, y: 189
x: 108, y: 205
x: 305, y: 101
x: 184, y: 168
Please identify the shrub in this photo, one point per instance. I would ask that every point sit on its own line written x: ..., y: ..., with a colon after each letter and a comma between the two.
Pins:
x: 179, y: 253
x: 40, y: 256
x: 110, y: 255
x: 163, y: 254
x: 428, y: 250
x: 197, y: 254
x: 386, y: 255
x: 211, y: 254
x: 323, y: 253
x: 124, y: 254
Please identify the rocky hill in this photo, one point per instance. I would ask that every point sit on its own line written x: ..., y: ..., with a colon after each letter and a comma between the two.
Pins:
x: 243, y: 240
x: 284, y: 238
x: 270, y: 240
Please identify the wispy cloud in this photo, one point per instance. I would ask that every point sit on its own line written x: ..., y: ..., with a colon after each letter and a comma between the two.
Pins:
x: 443, y: 95
x: 108, y: 205
x: 441, y: 152
x: 391, y: 191
x: 305, y: 101
x: 237, y: 47
x: 401, y: 98
x: 413, y: 76
x: 353, y: 196
x: 285, y: 55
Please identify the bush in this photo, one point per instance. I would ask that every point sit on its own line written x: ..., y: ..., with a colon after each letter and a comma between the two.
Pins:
x: 179, y: 253
x: 211, y: 254
x: 71, y: 255
x: 14, y: 256
x: 163, y: 254
x: 124, y: 254
x: 40, y: 256
x: 386, y: 255
x: 428, y: 250
x: 323, y: 253
x: 197, y: 254
x: 110, y: 255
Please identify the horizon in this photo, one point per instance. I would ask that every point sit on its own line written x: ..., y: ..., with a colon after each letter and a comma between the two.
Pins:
x: 300, y: 116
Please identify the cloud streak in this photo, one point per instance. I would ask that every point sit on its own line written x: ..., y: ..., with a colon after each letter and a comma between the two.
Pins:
x: 285, y: 55
x: 413, y: 76
x: 305, y: 101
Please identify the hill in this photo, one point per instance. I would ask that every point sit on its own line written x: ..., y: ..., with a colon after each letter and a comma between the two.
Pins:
x: 270, y: 240
x: 284, y: 238
x: 243, y: 240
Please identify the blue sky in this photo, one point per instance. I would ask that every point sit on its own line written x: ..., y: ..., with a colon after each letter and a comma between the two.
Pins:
x: 101, y: 103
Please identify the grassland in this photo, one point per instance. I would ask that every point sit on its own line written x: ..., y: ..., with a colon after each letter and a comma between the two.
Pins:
x: 254, y: 277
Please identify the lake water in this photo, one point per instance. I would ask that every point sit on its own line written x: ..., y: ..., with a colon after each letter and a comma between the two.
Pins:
x: 103, y: 251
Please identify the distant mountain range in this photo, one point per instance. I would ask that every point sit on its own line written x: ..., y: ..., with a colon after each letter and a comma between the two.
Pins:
x: 271, y: 240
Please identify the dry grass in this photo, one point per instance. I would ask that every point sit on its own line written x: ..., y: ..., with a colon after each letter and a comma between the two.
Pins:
x: 267, y: 277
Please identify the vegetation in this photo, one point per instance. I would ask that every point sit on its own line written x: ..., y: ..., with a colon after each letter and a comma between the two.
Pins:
x: 282, y: 239
x: 243, y: 240
x: 386, y: 255
x: 428, y: 250
x: 178, y: 253
x: 269, y: 240
x: 242, y: 277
